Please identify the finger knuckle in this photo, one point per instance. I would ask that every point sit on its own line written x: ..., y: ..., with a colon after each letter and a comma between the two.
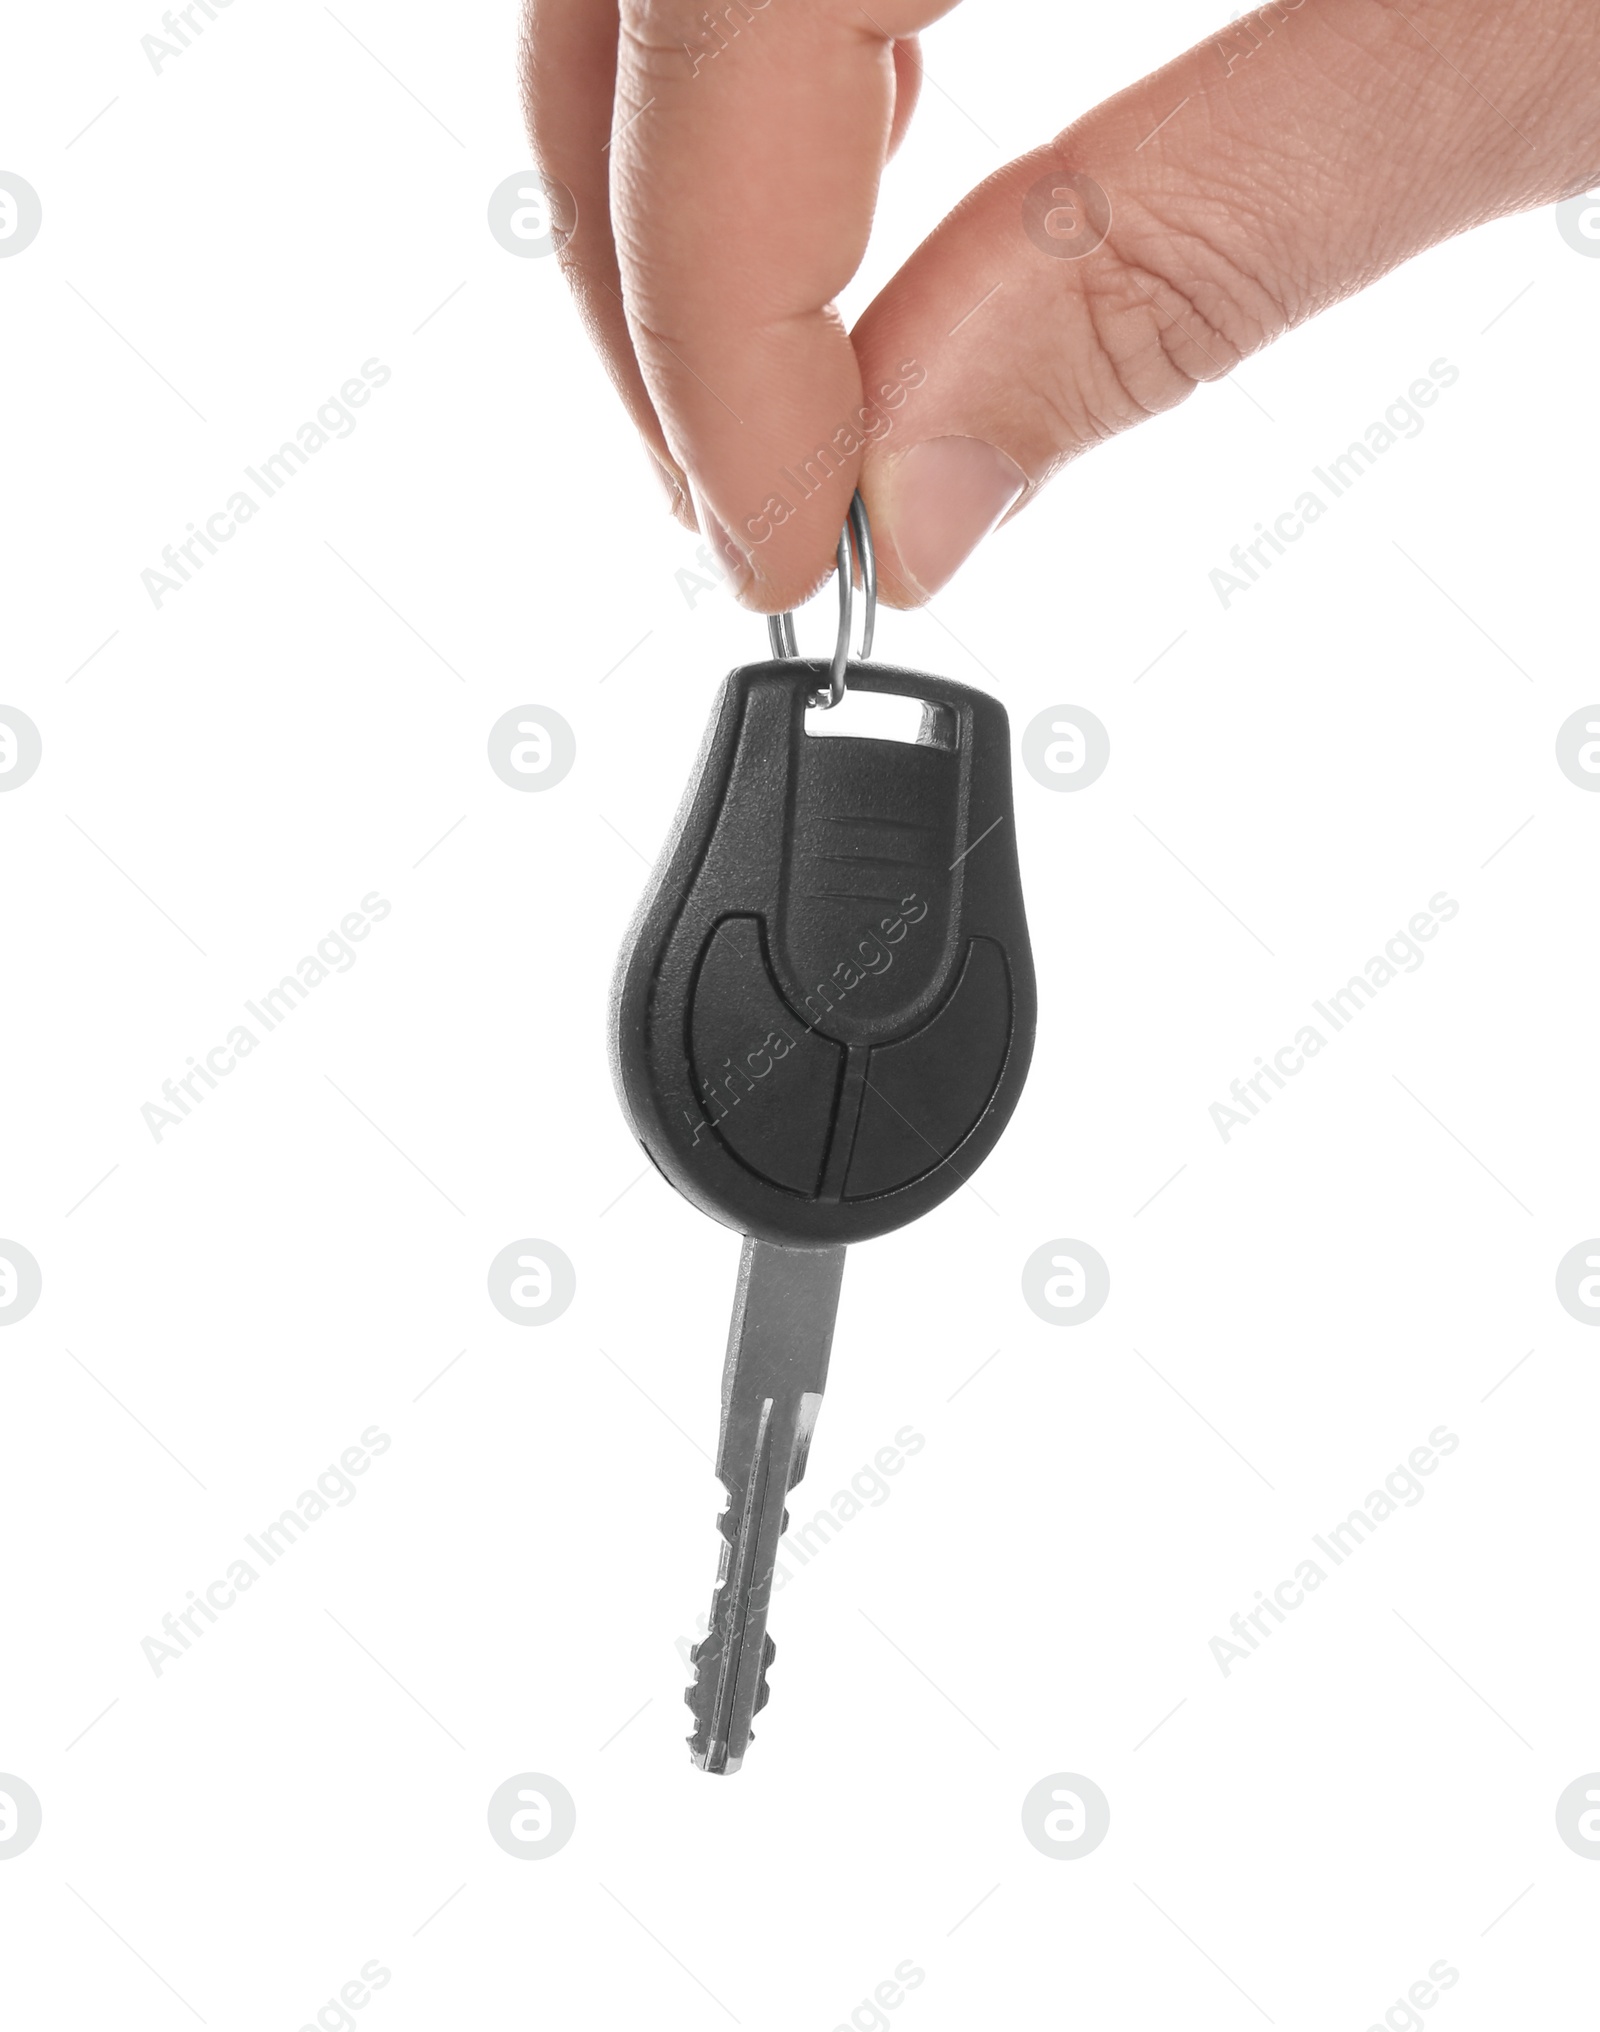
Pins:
x: 1169, y: 305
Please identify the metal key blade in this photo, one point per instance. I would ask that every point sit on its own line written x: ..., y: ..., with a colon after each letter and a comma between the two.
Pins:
x: 772, y: 1383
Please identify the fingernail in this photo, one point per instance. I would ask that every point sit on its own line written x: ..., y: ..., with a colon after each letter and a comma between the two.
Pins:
x: 943, y: 498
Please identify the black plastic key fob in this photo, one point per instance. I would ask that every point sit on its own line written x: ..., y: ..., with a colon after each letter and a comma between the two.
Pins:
x: 824, y: 1011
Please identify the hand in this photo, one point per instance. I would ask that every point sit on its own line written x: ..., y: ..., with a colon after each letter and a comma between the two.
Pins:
x: 725, y: 177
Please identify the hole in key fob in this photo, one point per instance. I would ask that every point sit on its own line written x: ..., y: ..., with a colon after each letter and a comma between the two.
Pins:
x: 824, y: 1011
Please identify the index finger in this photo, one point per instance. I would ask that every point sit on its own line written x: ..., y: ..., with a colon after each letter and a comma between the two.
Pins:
x: 746, y: 150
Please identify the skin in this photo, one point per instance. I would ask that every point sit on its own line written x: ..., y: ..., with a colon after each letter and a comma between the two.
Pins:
x: 724, y: 191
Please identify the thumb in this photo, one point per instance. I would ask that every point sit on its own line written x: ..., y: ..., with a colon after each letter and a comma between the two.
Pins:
x: 1275, y: 168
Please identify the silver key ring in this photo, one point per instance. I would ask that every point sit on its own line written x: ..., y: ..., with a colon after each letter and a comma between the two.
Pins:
x: 780, y: 627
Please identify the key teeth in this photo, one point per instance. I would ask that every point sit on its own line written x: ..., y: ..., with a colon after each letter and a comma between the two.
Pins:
x: 702, y: 1684
x: 699, y: 1740
x: 705, y: 1656
x: 701, y: 1688
x: 763, y: 1691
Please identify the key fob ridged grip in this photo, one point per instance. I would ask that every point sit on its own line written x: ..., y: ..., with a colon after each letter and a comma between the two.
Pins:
x: 824, y: 1011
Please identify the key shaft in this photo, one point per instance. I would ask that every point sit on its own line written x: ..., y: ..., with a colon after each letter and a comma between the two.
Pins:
x: 772, y: 1385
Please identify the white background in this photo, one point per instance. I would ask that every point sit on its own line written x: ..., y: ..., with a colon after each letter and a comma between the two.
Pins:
x: 305, y: 1789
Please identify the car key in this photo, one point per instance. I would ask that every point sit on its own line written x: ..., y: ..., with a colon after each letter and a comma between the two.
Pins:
x: 822, y: 1019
